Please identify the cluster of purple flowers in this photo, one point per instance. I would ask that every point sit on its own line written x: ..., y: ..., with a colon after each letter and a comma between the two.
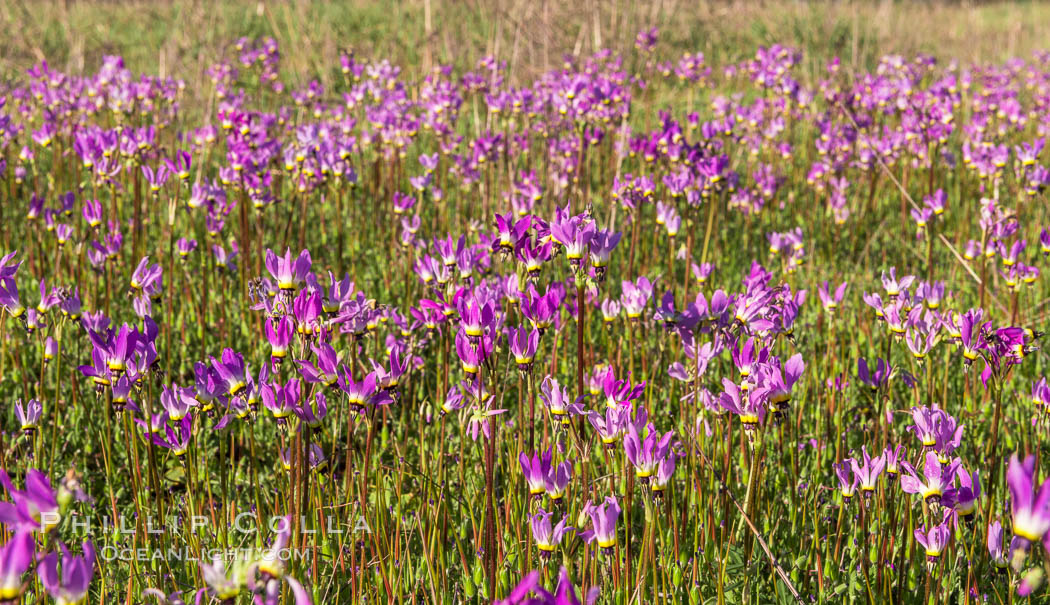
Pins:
x: 478, y: 211
x: 34, y: 514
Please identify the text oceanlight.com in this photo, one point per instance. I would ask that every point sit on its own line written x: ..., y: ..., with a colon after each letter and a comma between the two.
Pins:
x: 113, y: 553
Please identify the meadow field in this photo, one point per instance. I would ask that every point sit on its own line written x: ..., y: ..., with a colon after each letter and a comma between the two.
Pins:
x: 523, y: 302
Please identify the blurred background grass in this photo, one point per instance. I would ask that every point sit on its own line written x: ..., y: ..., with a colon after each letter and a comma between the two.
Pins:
x: 183, y: 38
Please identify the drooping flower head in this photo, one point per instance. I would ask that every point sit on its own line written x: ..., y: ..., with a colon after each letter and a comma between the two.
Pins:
x: 778, y: 381
x: 147, y: 278
x: 603, y: 523
x: 995, y: 546
x: 934, y: 539
x: 1031, y: 507
x: 480, y: 422
x: 893, y: 286
x: 557, y: 480
x: 224, y: 585
x: 476, y: 316
x: 323, y: 371
x: 601, y: 246
x: 749, y: 406
x: 636, y: 296
x: 965, y: 498
x: 574, y: 234
x: 928, y: 425
x: 620, y: 393
x: 547, y: 538
x: 175, y: 438
x: 847, y: 480
x: 532, y: 256
x: 646, y: 454
x: 29, y: 416
x: 664, y: 472
x: 473, y: 356
x: 831, y: 300
x: 877, y: 379
x: 611, y: 424
x: 510, y: 232
x: 230, y: 369
x: 34, y: 509
x: 523, y: 345
x: 15, y: 559
x: 558, y: 401
x: 867, y: 472
x: 936, y: 483
x: 70, y: 586
x: 8, y: 266
x: 970, y: 334
x: 536, y: 470
x: 288, y: 273
x: 541, y: 310
x: 893, y: 456
x: 9, y: 297
x: 565, y: 593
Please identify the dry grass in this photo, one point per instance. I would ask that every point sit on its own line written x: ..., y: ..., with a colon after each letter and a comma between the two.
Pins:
x: 183, y: 37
